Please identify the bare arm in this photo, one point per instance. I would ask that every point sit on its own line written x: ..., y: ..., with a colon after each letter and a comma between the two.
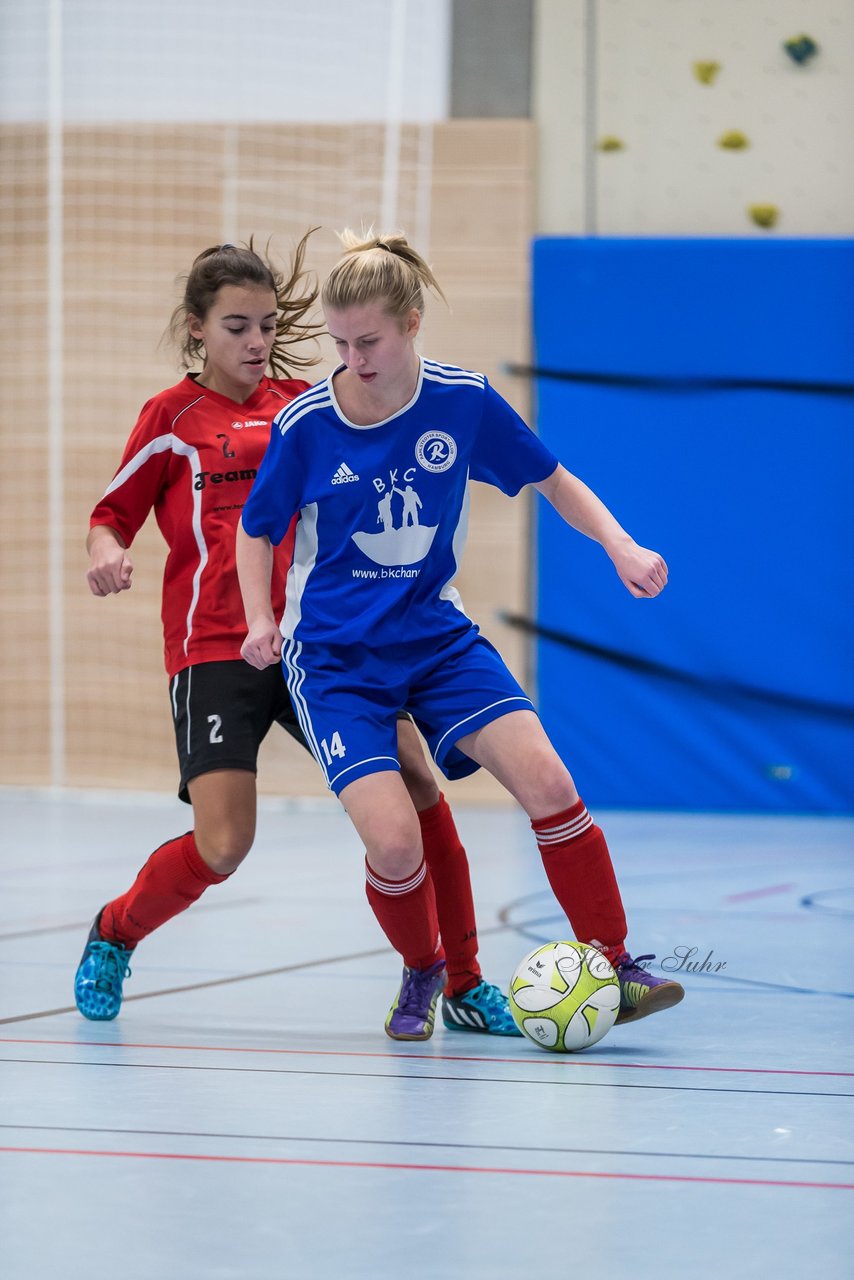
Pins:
x: 641, y: 571
x: 110, y: 565
x: 263, y: 644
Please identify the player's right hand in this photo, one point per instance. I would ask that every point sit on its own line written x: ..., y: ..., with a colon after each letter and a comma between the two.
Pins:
x: 111, y: 569
x: 263, y: 645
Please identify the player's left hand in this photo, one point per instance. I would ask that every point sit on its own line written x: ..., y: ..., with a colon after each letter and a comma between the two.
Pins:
x: 262, y: 647
x: 642, y: 572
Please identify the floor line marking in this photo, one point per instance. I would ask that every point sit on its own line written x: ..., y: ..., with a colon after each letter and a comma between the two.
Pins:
x: 426, y: 1168
x: 748, y: 895
x: 237, y: 977
x: 212, y: 982
x: 69, y: 926
x: 444, y: 1079
x: 381, y: 951
x: 439, y: 1146
x: 541, y: 1059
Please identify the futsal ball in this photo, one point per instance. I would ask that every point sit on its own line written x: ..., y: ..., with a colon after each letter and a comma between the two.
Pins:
x: 564, y: 996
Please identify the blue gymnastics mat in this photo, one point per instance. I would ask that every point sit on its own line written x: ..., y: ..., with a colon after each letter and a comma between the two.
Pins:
x: 746, y: 491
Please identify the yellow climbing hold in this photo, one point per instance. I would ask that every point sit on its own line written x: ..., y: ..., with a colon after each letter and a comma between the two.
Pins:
x: 764, y: 215
x: 706, y: 72
x: 733, y: 140
x: 610, y: 143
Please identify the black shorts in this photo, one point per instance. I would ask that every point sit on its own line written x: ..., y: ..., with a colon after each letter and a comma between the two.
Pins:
x: 222, y: 712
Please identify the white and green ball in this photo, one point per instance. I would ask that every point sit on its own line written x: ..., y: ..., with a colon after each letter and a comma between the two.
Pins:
x: 564, y: 996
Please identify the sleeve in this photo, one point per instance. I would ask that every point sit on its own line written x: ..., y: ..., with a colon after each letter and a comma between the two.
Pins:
x: 507, y: 453
x: 274, y: 498
x: 141, y: 477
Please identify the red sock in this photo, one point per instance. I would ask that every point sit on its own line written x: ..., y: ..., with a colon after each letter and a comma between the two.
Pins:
x: 406, y: 913
x: 172, y: 879
x: 449, y: 870
x: 579, y: 869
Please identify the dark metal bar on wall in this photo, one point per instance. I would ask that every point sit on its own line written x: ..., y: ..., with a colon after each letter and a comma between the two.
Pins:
x: 591, y: 89
x: 664, y: 382
x: 701, y: 684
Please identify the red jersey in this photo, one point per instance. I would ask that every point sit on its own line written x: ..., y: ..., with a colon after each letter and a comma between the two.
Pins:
x: 192, y: 457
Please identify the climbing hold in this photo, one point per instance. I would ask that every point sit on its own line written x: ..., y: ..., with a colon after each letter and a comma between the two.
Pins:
x: 706, y: 72
x: 610, y: 143
x: 764, y: 215
x: 801, y: 48
x: 733, y: 140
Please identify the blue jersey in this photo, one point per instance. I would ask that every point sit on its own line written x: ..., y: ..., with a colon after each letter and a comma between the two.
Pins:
x: 383, y: 508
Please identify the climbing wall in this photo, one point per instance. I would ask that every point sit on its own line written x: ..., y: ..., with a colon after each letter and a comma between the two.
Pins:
x: 732, y: 118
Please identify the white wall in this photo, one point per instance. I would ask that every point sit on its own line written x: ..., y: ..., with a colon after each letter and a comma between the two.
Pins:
x: 288, y: 60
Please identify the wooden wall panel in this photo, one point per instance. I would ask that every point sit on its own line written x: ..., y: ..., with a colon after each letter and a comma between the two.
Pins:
x: 139, y: 203
x: 24, y: 651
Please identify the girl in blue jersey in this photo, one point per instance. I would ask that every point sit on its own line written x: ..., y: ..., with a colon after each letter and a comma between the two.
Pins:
x: 376, y: 461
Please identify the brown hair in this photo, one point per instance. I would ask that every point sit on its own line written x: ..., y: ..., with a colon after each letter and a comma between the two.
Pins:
x: 379, y: 269
x: 225, y: 264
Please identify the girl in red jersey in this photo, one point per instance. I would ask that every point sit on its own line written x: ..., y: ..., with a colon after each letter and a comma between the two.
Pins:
x: 191, y: 458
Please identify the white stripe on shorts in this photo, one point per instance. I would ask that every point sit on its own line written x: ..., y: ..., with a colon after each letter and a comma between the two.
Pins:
x: 295, y: 675
x: 189, y: 716
x: 527, y: 705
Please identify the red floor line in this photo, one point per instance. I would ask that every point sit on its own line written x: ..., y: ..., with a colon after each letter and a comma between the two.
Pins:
x: 543, y: 1059
x: 423, y: 1168
x: 749, y: 894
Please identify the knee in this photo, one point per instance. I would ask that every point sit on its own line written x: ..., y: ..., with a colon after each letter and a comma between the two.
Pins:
x: 224, y: 848
x: 397, y: 853
x: 551, y: 789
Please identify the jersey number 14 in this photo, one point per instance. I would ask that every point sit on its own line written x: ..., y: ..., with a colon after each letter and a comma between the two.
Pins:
x: 334, y: 747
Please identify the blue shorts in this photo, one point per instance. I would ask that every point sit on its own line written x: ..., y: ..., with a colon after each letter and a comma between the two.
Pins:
x: 347, y: 698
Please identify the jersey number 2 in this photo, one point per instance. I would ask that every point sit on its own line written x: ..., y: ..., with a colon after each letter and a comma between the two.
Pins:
x: 215, y: 723
x: 335, y: 747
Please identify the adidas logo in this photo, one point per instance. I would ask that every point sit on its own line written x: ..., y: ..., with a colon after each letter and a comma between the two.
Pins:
x: 344, y: 475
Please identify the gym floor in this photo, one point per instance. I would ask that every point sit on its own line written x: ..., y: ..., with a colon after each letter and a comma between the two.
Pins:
x: 246, y: 1116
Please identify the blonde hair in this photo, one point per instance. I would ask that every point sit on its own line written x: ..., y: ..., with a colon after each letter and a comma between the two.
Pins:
x: 382, y: 269
x: 242, y: 265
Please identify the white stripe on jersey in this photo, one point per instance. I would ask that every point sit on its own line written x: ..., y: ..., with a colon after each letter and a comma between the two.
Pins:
x: 192, y: 455
x: 274, y: 391
x: 451, y: 376
x: 449, y: 591
x: 160, y: 445
x: 318, y: 398
x: 302, y: 563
